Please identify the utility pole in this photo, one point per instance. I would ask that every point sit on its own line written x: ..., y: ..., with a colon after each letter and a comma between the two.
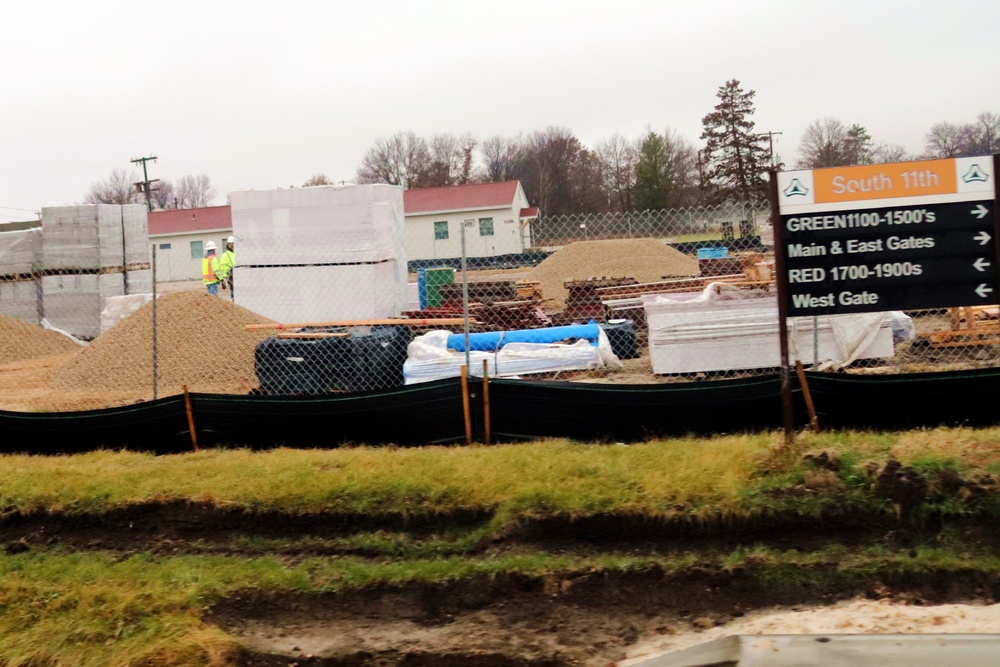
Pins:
x: 770, y: 140
x: 143, y: 185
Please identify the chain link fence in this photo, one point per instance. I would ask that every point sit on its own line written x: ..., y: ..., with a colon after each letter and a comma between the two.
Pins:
x: 338, y: 290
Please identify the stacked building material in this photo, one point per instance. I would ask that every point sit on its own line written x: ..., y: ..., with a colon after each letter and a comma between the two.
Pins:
x: 320, y: 253
x: 583, y: 302
x: 90, y: 253
x: 19, y: 285
x: 486, y: 292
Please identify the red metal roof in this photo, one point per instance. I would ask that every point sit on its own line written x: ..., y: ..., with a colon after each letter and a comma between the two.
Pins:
x: 187, y: 220
x: 459, y: 197
x: 530, y: 212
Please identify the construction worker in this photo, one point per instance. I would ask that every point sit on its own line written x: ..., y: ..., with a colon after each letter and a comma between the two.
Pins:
x: 210, y: 269
x: 226, y: 266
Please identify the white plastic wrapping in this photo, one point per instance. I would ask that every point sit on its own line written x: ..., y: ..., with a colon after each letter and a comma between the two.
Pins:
x: 117, y: 308
x: 19, y: 251
x: 74, y: 302
x: 724, y: 328
x: 428, y: 358
x: 94, y: 236
x: 320, y: 253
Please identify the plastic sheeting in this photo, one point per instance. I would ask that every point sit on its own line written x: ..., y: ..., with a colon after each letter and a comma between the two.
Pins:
x: 725, y: 328
x: 433, y: 412
x: 294, y: 244
x: 429, y: 358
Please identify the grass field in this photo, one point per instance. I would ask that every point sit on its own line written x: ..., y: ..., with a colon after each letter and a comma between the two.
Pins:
x: 117, y: 558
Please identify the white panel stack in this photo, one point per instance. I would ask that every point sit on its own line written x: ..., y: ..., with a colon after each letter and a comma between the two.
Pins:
x: 86, y: 253
x: 73, y: 302
x: 689, y: 333
x: 320, y: 253
x: 19, y: 251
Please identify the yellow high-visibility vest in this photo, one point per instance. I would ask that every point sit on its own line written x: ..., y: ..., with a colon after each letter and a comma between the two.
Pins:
x: 209, y: 269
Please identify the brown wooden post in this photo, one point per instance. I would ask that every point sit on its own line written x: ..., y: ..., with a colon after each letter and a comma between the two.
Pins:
x: 190, y: 416
x: 486, y: 401
x: 813, y: 419
x: 465, y: 405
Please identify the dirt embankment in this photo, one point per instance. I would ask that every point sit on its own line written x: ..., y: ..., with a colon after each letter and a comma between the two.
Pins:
x: 589, y: 618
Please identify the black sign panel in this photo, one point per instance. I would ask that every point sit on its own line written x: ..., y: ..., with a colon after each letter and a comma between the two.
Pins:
x: 891, y: 258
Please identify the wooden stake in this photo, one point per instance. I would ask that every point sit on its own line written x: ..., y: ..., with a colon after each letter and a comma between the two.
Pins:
x: 486, y: 401
x: 190, y: 415
x: 465, y: 405
x: 813, y: 419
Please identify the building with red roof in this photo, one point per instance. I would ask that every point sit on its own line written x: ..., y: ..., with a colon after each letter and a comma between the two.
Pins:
x: 179, y: 237
x: 496, y: 216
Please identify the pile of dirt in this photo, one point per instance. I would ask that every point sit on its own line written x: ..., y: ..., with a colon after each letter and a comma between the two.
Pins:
x: 201, y: 342
x: 20, y: 341
x: 646, y: 260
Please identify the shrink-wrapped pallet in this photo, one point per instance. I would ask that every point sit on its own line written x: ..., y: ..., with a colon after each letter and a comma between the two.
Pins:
x: 19, y: 252
x: 320, y: 253
x: 73, y: 302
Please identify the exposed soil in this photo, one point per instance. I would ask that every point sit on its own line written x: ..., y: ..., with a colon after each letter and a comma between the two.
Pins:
x: 581, y: 618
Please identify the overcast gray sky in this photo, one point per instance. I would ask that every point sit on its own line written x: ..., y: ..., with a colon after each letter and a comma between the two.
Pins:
x: 259, y: 95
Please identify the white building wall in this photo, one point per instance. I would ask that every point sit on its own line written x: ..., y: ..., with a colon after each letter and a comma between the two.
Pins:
x: 506, y: 239
x: 176, y: 263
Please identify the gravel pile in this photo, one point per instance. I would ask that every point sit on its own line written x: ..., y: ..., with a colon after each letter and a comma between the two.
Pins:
x: 201, y: 342
x: 20, y: 341
x: 646, y: 260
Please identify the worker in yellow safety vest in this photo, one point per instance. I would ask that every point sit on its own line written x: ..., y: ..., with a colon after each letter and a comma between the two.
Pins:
x: 210, y: 269
x: 226, y: 266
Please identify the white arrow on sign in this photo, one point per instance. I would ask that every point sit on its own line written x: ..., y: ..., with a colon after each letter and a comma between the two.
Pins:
x: 983, y: 290
x: 982, y: 237
x: 981, y: 264
x: 980, y: 211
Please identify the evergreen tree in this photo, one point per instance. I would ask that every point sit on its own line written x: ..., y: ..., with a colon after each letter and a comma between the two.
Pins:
x: 735, y: 158
x: 652, y: 178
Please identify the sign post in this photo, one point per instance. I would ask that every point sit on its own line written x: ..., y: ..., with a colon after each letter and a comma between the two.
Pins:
x: 885, y: 237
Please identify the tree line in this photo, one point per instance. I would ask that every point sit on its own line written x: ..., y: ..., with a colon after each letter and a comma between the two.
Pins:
x: 657, y: 170
x: 125, y: 187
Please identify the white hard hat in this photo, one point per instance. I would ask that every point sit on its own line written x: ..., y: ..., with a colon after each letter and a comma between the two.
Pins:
x: 231, y: 239
x: 210, y: 245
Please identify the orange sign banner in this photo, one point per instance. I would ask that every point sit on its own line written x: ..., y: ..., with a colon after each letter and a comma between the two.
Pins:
x: 885, y: 181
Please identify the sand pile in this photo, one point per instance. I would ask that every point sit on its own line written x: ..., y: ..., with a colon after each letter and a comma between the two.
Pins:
x: 646, y: 260
x: 201, y: 342
x: 20, y: 341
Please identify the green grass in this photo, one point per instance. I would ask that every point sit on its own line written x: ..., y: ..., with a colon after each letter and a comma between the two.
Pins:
x: 96, y: 608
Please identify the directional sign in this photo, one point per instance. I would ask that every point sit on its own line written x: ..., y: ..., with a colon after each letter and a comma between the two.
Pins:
x: 888, y: 237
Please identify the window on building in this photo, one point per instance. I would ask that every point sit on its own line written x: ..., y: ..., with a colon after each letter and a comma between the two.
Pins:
x: 197, y: 249
x: 486, y: 226
x: 441, y: 230
x: 164, y: 246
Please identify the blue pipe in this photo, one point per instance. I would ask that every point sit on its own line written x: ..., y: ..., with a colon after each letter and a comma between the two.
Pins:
x: 490, y: 341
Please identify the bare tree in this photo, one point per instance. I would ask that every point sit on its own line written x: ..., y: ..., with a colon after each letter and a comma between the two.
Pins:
x: 501, y: 158
x: 618, y: 157
x: 985, y: 135
x: 450, y: 160
x: 162, y: 195
x: 885, y: 152
x: 398, y: 160
x: 317, y: 179
x: 118, y: 188
x: 194, y: 191
x: 946, y: 140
